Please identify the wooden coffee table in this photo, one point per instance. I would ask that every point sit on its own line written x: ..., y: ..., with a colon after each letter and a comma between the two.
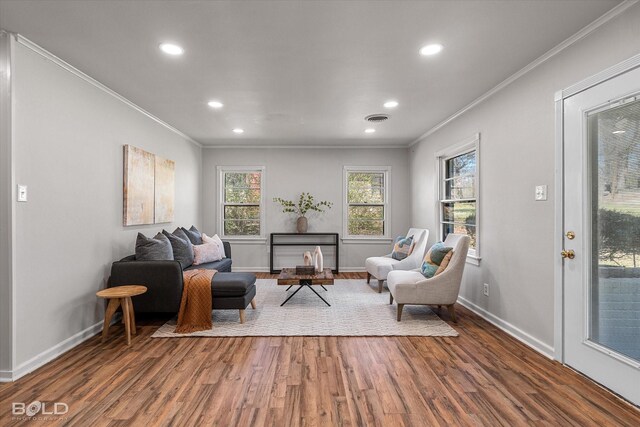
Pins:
x: 288, y: 277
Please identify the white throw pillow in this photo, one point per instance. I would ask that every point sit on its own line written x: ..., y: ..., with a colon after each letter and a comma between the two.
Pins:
x: 204, y: 253
x: 216, y: 241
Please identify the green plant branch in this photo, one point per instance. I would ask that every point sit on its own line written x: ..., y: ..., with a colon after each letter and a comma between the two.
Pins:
x: 306, y: 203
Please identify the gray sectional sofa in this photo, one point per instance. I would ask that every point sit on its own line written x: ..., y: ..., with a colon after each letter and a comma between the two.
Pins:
x: 163, y: 280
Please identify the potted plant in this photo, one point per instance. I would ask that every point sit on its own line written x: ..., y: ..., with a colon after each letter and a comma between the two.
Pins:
x: 306, y: 203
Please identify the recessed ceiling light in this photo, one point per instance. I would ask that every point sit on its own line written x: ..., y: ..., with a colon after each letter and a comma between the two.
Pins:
x: 238, y: 131
x: 215, y: 104
x: 370, y: 130
x: 618, y: 132
x: 430, y: 49
x: 171, y: 49
x: 390, y: 104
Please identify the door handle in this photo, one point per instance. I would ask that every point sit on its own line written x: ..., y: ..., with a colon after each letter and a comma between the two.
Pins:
x: 568, y: 254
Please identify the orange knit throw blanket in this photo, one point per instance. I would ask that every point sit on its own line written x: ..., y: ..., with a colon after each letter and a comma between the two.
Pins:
x: 196, y: 305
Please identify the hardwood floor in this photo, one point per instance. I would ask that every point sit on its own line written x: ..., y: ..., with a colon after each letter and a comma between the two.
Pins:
x: 482, y: 377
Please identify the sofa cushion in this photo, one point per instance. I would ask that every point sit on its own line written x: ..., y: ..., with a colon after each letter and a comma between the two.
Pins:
x: 193, y: 234
x: 182, y: 248
x: 223, y: 265
x: 157, y: 248
x: 232, y: 284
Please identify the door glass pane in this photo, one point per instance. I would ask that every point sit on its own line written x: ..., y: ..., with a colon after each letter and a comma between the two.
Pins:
x: 614, y: 303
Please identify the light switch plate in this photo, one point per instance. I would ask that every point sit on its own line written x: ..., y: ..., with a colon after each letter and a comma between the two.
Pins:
x: 22, y: 193
x: 541, y: 192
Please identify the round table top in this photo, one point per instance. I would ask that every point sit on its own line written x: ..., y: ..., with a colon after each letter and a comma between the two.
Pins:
x: 122, y: 291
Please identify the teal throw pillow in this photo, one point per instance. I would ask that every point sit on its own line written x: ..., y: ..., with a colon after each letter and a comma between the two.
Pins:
x: 402, y: 248
x: 433, y: 260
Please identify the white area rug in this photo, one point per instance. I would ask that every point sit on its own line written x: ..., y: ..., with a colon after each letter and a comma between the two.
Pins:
x: 356, y: 310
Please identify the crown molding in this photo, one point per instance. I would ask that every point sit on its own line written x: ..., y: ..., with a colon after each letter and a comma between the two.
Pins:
x: 584, y: 32
x: 310, y: 147
x: 73, y: 70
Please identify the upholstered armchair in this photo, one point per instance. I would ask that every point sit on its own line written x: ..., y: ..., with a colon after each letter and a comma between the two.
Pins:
x: 379, y: 267
x: 411, y: 287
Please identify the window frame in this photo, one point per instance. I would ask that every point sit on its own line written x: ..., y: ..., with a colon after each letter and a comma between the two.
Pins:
x: 222, y: 170
x: 466, y: 146
x: 353, y: 238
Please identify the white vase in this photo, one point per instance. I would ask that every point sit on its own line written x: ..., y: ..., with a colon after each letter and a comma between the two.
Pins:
x: 307, y: 258
x: 319, y: 260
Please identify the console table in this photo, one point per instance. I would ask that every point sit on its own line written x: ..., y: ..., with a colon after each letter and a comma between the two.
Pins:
x: 312, y: 239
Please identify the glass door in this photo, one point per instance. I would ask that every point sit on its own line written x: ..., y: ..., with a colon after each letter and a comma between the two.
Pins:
x: 614, y: 295
x: 601, y: 268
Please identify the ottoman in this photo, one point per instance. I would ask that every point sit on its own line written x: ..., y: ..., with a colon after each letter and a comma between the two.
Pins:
x: 233, y: 291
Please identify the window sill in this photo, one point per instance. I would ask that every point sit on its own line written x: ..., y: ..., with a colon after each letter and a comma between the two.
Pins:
x: 245, y: 240
x: 474, y: 260
x: 366, y: 240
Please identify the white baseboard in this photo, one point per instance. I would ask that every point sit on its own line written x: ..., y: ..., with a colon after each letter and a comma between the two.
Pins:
x: 55, y: 351
x: 512, y: 330
x: 250, y: 269
x: 6, y: 376
x: 266, y: 269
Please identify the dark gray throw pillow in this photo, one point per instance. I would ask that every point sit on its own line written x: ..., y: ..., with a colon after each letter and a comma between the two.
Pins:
x: 182, y: 248
x: 157, y: 248
x: 181, y: 234
x: 194, y: 235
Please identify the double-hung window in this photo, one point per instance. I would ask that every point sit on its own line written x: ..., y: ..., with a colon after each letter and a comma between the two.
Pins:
x: 458, y: 198
x: 366, y: 202
x: 241, y: 212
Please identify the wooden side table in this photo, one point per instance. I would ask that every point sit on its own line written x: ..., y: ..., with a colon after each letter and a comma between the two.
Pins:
x: 121, y: 296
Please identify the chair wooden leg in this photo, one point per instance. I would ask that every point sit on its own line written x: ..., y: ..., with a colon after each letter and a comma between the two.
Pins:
x: 368, y: 277
x: 390, y: 298
x: 253, y: 303
x: 380, y: 282
x: 452, y: 313
x: 241, y: 316
x: 113, y: 305
x: 132, y: 315
x: 127, y: 320
x: 400, y: 307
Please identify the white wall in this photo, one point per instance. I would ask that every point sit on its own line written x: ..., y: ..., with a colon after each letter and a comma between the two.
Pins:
x: 6, y: 292
x: 290, y: 171
x: 517, y: 152
x: 68, y: 139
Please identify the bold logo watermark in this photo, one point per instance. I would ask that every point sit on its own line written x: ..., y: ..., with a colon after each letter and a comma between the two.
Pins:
x: 38, y: 410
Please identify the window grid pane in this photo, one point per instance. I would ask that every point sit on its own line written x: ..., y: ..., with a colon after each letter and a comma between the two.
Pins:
x: 366, y: 203
x: 458, y: 198
x: 365, y: 187
x: 462, y: 164
x: 242, y: 203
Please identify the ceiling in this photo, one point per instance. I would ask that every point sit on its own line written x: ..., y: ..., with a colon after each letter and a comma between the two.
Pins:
x: 300, y: 72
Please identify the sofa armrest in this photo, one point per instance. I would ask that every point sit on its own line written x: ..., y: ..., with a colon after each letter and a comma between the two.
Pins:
x: 227, y: 249
x: 163, y: 280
